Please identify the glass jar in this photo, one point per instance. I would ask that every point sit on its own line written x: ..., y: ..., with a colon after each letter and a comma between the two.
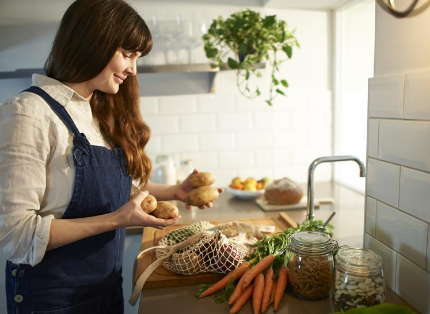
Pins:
x: 310, y: 265
x: 185, y: 169
x: 359, y: 279
x: 164, y: 170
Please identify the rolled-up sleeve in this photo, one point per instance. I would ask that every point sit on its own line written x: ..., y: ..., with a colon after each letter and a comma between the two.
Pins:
x: 24, y: 153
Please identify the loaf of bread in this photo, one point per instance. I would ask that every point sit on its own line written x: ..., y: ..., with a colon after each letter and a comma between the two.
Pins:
x: 283, y: 191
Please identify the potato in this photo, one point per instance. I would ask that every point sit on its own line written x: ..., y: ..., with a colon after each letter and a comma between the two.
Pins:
x: 165, y: 210
x: 149, y: 204
x: 202, y: 195
x: 187, y: 263
x: 201, y: 179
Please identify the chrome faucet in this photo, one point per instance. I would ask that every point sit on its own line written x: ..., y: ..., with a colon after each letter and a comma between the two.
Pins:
x: 312, y: 167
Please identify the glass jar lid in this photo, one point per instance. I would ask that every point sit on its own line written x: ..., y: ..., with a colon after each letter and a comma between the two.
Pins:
x: 359, y: 260
x: 311, y: 242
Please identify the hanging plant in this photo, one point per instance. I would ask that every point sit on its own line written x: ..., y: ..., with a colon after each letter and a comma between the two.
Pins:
x: 243, y: 42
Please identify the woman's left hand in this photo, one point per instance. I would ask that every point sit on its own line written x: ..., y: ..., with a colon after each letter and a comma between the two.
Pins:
x: 185, y: 187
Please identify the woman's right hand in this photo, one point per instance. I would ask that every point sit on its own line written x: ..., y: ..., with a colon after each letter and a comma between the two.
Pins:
x: 132, y: 215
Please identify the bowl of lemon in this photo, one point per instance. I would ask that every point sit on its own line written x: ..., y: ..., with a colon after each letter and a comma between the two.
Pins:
x: 249, y: 188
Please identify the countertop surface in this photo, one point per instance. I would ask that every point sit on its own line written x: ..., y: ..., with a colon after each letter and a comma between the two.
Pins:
x: 349, y: 230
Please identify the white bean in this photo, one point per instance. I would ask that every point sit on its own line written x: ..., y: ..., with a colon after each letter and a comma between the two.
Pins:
x: 363, y: 286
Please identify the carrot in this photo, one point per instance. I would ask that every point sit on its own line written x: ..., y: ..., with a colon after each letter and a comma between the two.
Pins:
x: 257, y: 295
x: 268, y: 287
x: 272, y: 295
x: 234, y: 274
x: 242, y: 300
x: 236, y: 293
x: 280, y: 286
x: 258, y: 268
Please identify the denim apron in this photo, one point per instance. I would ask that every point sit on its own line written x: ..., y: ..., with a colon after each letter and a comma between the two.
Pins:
x: 84, y: 276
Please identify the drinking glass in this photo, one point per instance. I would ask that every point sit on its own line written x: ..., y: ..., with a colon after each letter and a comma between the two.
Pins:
x: 194, y: 30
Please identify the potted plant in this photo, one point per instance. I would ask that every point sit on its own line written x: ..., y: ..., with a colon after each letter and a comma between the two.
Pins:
x: 245, y: 40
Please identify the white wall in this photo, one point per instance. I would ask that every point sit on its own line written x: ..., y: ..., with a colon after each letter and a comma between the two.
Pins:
x: 398, y: 181
x: 355, y: 40
x: 222, y: 132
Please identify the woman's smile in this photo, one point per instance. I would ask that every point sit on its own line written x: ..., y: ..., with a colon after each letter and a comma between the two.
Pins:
x: 119, y: 78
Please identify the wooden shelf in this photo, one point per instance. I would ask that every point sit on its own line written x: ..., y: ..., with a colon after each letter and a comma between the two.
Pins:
x: 180, y: 68
x: 160, y: 74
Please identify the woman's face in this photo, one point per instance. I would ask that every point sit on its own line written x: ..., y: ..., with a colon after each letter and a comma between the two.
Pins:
x: 122, y: 65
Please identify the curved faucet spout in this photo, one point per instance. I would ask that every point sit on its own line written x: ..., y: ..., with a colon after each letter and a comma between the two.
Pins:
x: 314, y: 164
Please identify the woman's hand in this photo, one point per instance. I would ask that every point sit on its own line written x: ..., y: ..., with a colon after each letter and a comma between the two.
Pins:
x: 185, y: 187
x: 131, y: 214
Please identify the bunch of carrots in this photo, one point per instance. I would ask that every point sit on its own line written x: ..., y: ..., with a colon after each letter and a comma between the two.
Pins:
x: 263, y: 276
x: 258, y: 281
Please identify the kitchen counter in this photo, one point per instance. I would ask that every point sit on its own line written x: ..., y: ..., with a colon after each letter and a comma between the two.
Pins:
x: 349, y: 229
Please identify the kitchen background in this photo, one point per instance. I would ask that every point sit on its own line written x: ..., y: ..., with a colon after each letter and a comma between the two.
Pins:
x: 324, y: 113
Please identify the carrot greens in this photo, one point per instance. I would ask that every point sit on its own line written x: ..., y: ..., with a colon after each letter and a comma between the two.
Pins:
x: 276, y: 244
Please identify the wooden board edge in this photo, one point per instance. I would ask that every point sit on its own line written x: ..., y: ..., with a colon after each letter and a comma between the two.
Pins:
x: 287, y: 220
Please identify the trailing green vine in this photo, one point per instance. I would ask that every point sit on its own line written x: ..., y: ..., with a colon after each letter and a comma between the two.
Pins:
x: 246, y: 39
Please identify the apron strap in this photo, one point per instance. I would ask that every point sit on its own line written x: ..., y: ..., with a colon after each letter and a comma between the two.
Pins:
x: 56, y: 107
x: 80, y: 142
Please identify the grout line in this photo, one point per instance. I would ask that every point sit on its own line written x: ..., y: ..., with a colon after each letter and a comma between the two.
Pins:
x: 395, y: 164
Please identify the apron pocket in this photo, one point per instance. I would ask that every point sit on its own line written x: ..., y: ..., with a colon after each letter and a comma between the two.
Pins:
x: 89, y: 307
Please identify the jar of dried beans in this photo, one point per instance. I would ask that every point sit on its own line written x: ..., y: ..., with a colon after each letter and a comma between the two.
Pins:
x: 311, y: 265
x: 359, y: 279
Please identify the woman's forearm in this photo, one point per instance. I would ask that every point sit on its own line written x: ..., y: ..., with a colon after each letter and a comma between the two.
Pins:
x: 65, y: 231
x: 162, y: 192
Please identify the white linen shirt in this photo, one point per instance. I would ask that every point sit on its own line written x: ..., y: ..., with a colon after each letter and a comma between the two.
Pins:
x: 36, y: 168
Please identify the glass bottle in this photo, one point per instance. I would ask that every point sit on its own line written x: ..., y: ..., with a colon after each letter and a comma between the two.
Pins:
x: 359, y: 279
x: 310, y: 265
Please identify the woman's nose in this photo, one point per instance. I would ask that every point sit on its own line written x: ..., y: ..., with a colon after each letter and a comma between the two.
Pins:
x: 132, y: 68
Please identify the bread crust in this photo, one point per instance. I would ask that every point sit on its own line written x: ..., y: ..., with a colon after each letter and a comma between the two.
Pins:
x: 283, y: 191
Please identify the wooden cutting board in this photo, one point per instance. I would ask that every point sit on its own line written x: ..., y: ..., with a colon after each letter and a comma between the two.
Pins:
x: 163, y: 277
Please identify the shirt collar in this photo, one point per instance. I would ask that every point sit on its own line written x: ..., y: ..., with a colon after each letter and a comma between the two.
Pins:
x: 57, y: 90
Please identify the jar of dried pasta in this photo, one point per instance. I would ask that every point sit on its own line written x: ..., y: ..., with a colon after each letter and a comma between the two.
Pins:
x: 359, y: 279
x: 311, y: 265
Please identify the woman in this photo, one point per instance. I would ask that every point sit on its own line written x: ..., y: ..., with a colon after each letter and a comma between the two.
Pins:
x: 70, y: 146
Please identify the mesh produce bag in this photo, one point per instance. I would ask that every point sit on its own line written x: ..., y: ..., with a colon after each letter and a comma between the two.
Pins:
x: 182, y: 234
x: 213, y: 252
x: 201, y: 247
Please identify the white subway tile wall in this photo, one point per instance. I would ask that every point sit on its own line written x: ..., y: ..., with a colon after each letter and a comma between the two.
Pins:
x: 406, y: 143
x: 386, y: 96
x: 370, y: 216
x: 215, y: 103
x: 383, y: 181
x: 373, y: 138
x: 389, y: 259
x: 403, y: 233
x: 417, y: 95
x: 414, y: 193
x: 413, y: 284
x: 230, y: 135
x: 399, y: 182
x: 428, y: 252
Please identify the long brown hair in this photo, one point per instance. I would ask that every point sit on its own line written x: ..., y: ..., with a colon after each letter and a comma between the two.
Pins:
x: 89, y: 34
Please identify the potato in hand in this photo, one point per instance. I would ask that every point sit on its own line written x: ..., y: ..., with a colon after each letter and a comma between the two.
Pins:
x: 202, y: 195
x: 149, y: 204
x: 201, y: 179
x: 165, y: 210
